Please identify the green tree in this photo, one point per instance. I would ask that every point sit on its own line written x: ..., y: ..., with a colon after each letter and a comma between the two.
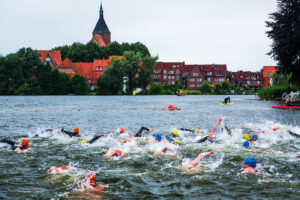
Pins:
x: 206, y: 88
x: 79, y: 85
x: 285, y: 33
x: 156, y: 88
x: 280, y: 79
x: 218, y: 89
x: 145, y: 72
x: 226, y: 87
x: 130, y: 67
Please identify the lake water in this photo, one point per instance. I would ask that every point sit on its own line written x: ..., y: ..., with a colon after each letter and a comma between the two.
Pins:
x: 146, y: 175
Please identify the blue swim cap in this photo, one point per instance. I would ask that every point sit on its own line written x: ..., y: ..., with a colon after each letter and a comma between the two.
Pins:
x: 246, y: 144
x: 158, y: 137
x: 251, y: 162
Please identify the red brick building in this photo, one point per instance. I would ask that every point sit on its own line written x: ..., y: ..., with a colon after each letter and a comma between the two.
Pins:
x: 101, y: 33
x: 268, y: 71
x: 243, y: 79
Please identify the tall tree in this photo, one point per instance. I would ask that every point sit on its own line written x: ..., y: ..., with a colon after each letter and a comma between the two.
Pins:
x: 285, y: 33
x: 79, y: 85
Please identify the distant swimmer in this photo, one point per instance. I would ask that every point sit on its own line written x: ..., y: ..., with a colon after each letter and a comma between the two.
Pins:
x: 246, y: 144
x: 196, y: 130
x: 113, y: 153
x: 18, y: 148
x: 197, y: 160
x: 250, y: 166
x: 143, y: 128
x: 227, y: 100
x: 209, y: 136
x: 294, y: 134
x: 72, y: 134
x: 173, y: 140
x: 90, y: 180
x: 58, y: 170
x: 166, y: 148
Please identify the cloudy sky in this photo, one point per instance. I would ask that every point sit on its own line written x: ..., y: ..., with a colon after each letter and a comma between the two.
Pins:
x: 228, y: 32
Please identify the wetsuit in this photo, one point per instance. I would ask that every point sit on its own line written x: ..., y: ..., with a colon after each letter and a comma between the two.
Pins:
x: 227, y: 130
x: 69, y: 133
x: 226, y: 100
x: 13, y: 144
x: 294, y: 134
x: 139, y: 133
x: 171, y: 140
x: 189, y: 130
x: 204, y: 139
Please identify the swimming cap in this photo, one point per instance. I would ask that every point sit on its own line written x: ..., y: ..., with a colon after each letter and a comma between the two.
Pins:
x: 117, y: 153
x: 197, y: 130
x: 158, y: 137
x: 251, y: 162
x: 174, y: 131
x: 246, y: 136
x: 171, y: 107
x: 76, y: 130
x: 91, y: 178
x: 83, y: 141
x: 24, y: 143
x: 122, y: 130
x: 63, y: 167
x: 176, y: 140
x: 246, y: 144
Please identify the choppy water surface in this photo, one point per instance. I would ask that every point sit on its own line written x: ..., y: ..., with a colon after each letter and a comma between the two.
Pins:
x: 146, y: 175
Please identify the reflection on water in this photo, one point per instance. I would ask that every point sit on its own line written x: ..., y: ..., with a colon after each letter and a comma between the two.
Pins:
x: 146, y: 174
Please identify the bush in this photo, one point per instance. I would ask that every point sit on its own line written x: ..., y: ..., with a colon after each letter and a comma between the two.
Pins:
x: 274, y: 92
x: 156, y: 88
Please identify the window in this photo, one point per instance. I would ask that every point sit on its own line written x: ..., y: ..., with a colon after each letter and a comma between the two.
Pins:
x: 169, y: 77
x: 173, y: 77
x: 241, y: 76
x: 199, y: 79
x: 209, y: 73
x: 192, y: 79
x: 198, y: 85
x: 156, y: 76
x: 101, y: 68
x: 192, y: 85
x: 248, y: 82
x: 177, y: 78
x: 165, y: 77
x: 48, y: 59
x: 219, y: 74
x: 208, y: 79
x: 97, y: 67
x: 177, y: 71
x: 174, y: 66
x: 169, y: 82
x: 165, y: 71
x: 99, y: 62
x: 195, y: 74
x: 232, y: 76
x: 157, y: 71
x: 173, y: 82
x: 221, y: 79
x: 185, y: 74
x: 268, y: 74
x: 90, y: 80
x: 171, y: 72
x: 258, y: 82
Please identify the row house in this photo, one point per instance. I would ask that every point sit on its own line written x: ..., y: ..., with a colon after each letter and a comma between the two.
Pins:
x: 168, y: 73
x: 243, y: 79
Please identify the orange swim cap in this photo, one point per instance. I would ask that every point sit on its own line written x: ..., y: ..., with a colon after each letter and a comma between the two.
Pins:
x: 63, y: 167
x: 24, y: 143
x: 171, y: 107
x: 117, y: 153
x: 76, y: 130
x: 92, y: 178
x: 122, y: 130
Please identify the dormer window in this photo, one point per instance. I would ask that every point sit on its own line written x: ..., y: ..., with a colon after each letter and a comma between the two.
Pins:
x: 101, y: 68
x: 97, y: 68
x: 48, y: 59
x: 99, y: 62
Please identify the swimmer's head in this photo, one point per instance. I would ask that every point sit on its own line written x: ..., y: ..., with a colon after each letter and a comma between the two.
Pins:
x: 174, y: 131
x: 246, y: 136
x: 63, y: 167
x: 176, y: 140
x: 157, y: 137
x: 251, y: 162
x: 197, y: 130
x: 253, y: 138
x: 76, y: 130
x: 122, y: 130
x: 117, y: 153
x: 90, y: 179
x: 24, y: 143
x: 246, y: 144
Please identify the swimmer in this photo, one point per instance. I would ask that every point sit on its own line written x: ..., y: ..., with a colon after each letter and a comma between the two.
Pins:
x: 196, y: 130
x: 246, y: 145
x: 196, y: 161
x: 226, y: 100
x: 17, y: 148
x: 209, y: 136
x: 58, y: 170
x: 113, y: 153
x: 250, y: 166
x: 139, y: 133
x: 166, y: 148
x: 173, y: 140
x: 294, y: 134
x: 71, y: 134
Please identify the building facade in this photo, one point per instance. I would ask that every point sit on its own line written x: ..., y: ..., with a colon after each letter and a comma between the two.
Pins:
x: 246, y: 79
x: 268, y: 71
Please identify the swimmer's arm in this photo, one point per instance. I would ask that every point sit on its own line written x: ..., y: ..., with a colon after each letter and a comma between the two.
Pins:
x: 168, y: 148
x: 185, y: 129
x: 67, y: 132
x: 214, y: 128
x: 200, y: 157
x: 124, y: 141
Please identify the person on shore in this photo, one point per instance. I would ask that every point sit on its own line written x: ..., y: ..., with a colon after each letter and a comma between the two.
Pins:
x: 17, y: 148
x: 72, y: 134
x: 197, y: 160
x: 209, y: 136
x: 227, y: 100
x: 58, y: 170
x: 250, y: 166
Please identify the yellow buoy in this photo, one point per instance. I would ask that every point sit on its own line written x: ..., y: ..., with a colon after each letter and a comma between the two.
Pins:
x: 133, y: 93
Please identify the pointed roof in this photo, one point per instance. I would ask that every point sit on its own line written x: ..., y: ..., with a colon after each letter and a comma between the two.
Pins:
x: 101, y: 26
x: 53, y: 54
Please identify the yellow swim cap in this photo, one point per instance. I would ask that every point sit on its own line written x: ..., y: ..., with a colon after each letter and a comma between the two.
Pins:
x: 246, y: 136
x: 83, y: 141
x: 197, y: 130
x: 231, y: 130
x: 176, y: 140
x: 174, y: 131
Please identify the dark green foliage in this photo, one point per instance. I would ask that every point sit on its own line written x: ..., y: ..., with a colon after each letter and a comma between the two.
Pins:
x: 285, y: 33
x: 156, y: 88
x: 280, y: 79
x: 274, y: 92
x: 206, y: 88
x: 79, y: 85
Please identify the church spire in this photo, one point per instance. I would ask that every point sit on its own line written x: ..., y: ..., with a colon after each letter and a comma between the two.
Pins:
x: 101, y: 26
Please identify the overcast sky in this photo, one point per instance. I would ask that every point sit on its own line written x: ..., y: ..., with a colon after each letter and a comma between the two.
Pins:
x: 228, y: 32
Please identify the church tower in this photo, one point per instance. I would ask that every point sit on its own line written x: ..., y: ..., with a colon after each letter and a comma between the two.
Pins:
x: 101, y: 33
